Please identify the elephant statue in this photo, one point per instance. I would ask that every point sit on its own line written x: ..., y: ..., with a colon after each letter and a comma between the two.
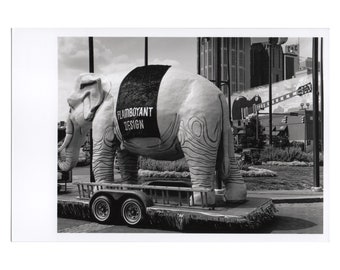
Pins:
x: 189, y: 118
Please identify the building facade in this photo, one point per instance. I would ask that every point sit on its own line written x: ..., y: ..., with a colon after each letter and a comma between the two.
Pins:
x: 291, y: 61
x: 260, y: 64
x: 291, y: 65
x: 234, y: 58
x: 244, y: 62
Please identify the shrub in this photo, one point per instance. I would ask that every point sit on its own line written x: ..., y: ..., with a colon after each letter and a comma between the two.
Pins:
x: 287, y: 154
x: 249, y: 138
x: 300, y: 145
x: 163, y: 165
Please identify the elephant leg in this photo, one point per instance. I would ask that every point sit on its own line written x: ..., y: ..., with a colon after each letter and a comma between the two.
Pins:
x: 235, y: 187
x: 199, y: 142
x: 128, y: 166
x: 103, y: 156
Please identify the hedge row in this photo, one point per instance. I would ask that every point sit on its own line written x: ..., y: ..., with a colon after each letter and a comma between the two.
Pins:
x: 288, y: 154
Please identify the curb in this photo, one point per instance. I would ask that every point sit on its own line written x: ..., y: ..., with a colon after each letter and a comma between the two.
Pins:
x: 298, y: 200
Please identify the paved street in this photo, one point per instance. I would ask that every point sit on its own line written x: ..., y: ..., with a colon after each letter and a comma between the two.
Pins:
x: 298, y: 218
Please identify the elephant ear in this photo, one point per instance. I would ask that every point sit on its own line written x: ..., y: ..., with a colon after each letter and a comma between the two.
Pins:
x: 93, y: 97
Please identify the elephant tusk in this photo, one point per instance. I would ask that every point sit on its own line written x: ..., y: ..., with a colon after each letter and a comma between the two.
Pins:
x: 66, y: 142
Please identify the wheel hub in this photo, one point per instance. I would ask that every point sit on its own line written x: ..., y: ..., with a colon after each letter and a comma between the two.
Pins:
x: 102, y: 210
x: 132, y: 212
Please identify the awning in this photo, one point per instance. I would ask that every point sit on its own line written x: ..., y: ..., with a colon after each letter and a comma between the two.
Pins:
x: 266, y: 131
x: 274, y: 132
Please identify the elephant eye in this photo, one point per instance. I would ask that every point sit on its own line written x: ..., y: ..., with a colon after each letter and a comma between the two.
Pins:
x: 83, y: 85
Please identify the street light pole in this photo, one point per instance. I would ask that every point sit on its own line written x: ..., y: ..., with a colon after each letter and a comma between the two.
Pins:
x: 316, y: 114
x: 270, y: 95
x: 218, y: 84
x: 218, y: 63
x: 229, y: 80
x: 91, y: 70
x: 146, y: 49
x: 198, y: 55
x: 321, y: 95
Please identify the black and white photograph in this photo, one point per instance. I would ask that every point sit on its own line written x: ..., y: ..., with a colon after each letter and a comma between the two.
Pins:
x: 149, y: 134
x: 172, y: 135
x: 206, y: 134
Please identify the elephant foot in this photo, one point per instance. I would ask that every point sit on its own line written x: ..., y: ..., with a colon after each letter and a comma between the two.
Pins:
x: 200, y: 199
x: 235, y: 192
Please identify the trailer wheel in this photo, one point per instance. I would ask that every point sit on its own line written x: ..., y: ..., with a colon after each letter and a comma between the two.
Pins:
x: 102, y: 209
x: 133, y: 212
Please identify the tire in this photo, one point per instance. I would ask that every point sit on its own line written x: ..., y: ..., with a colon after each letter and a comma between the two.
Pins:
x: 133, y: 212
x: 102, y: 209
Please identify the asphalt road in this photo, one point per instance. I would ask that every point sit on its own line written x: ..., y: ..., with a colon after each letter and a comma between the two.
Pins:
x: 298, y: 218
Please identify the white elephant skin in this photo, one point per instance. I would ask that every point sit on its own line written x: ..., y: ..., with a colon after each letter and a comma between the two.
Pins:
x: 193, y: 121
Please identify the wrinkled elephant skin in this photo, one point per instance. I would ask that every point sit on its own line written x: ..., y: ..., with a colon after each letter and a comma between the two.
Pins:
x: 193, y: 121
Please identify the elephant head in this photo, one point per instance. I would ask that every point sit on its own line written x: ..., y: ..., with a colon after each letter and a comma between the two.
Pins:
x: 84, y: 101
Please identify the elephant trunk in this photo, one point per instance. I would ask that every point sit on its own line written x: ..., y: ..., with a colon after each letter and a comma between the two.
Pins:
x: 68, y: 158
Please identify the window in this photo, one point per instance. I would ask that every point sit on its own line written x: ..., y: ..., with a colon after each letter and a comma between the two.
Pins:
x: 210, y: 73
x: 202, y: 60
x: 210, y: 61
x: 233, y: 58
x: 233, y: 87
x: 233, y: 74
x: 241, y: 75
x: 233, y: 43
x: 225, y: 57
x: 279, y: 60
x: 241, y: 43
x: 241, y: 59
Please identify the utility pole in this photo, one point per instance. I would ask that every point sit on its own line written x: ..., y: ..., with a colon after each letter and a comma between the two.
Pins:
x: 270, y: 95
x: 198, y: 55
x: 218, y: 63
x: 229, y: 81
x: 218, y: 82
x: 91, y: 70
x: 146, y: 52
x: 316, y: 115
x: 321, y: 96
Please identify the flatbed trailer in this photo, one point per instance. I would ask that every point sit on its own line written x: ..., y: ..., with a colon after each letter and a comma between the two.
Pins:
x: 166, y: 207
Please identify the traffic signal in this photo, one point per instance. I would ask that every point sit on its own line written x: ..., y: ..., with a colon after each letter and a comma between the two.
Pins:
x: 285, y: 119
x: 303, y: 119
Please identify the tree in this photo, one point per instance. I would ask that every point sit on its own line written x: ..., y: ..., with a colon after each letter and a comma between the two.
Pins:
x: 249, y: 139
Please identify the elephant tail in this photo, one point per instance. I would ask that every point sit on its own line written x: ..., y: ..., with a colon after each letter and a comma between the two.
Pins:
x: 227, y: 169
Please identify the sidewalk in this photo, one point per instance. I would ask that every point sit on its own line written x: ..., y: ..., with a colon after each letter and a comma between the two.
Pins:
x: 288, y: 196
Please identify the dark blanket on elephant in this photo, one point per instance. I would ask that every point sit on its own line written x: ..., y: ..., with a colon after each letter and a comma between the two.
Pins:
x: 136, y: 109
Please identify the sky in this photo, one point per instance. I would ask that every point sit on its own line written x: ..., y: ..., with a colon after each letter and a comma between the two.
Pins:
x: 115, y: 57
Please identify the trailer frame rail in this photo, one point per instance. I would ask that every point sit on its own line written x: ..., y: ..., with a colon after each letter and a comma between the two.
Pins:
x: 160, y: 195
